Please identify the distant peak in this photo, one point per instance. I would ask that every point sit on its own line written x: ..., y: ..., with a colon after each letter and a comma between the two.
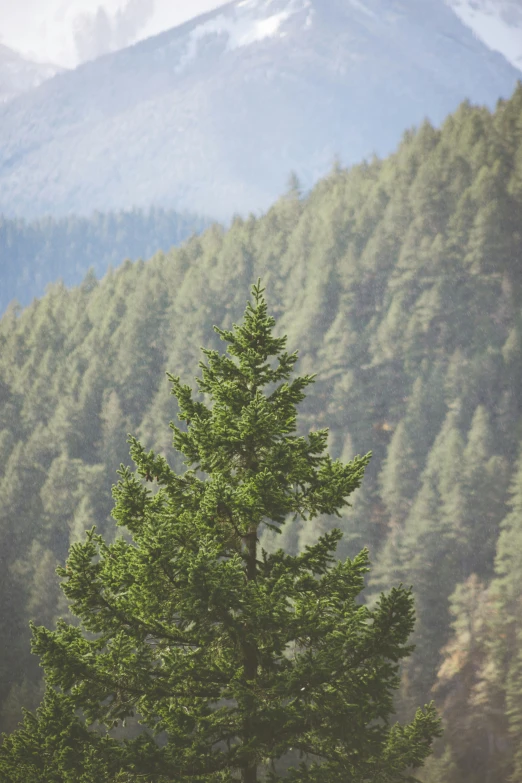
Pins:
x: 498, y: 23
x: 242, y: 24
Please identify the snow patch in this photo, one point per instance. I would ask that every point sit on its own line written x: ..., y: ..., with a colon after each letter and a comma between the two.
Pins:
x: 240, y: 32
x: 242, y: 28
x: 497, y: 23
x: 359, y: 6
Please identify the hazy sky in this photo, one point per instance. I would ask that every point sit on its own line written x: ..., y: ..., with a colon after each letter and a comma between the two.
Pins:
x: 68, y: 31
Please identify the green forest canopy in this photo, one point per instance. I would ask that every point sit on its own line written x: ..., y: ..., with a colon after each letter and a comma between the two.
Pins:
x: 400, y: 281
x: 35, y: 253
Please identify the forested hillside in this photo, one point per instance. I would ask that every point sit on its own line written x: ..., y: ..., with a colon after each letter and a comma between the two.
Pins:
x: 35, y: 253
x: 401, y: 281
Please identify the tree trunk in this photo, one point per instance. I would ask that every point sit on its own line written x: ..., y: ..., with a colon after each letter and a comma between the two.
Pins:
x: 249, y: 771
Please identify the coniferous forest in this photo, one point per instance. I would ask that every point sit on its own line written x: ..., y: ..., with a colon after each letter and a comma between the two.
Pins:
x: 32, y: 253
x: 399, y: 281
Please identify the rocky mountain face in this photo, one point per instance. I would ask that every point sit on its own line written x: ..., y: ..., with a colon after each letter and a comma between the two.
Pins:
x: 17, y: 74
x: 498, y: 23
x: 212, y: 116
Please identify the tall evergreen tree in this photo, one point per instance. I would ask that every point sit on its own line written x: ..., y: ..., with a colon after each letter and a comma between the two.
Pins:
x: 230, y: 655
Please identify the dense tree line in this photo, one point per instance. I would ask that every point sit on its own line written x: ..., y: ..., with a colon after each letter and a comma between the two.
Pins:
x: 401, y: 281
x: 34, y: 253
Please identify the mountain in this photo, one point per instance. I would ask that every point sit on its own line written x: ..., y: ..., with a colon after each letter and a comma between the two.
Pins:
x: 498, y: 23
x: 17, y: 74
x: 35, y: 253
x: 400, y: 282
x: 213, y: 115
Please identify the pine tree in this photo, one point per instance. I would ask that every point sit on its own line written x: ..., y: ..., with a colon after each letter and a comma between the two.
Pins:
x: 475, y: 725
x: 231, y: 656
x: 506, y: 632
x: 399, y: 476
x: 424, y: 552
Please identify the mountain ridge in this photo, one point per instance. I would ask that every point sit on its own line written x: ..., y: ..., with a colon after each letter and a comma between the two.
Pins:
x: 19, y: 74
x: 498, y: 23
x: 213, y: 115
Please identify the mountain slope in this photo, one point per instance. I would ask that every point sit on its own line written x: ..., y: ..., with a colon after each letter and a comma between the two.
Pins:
x: 212, y: 116
x: 17, y: 74
x: 33, y: 254
x: 498, y: 23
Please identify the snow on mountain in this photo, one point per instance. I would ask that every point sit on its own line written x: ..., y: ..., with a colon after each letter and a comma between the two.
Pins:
x: 18, y: 74
x: 248, y: 27
x: 213, y: 115
x: 243, y: 29
x: 498, y: 23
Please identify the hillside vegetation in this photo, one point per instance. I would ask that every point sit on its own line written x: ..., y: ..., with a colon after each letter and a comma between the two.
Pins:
x: 35, y: 253
x: 401, y: 282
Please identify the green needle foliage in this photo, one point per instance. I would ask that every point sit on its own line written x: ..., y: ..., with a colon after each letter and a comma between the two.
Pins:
x: 232, y: 657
